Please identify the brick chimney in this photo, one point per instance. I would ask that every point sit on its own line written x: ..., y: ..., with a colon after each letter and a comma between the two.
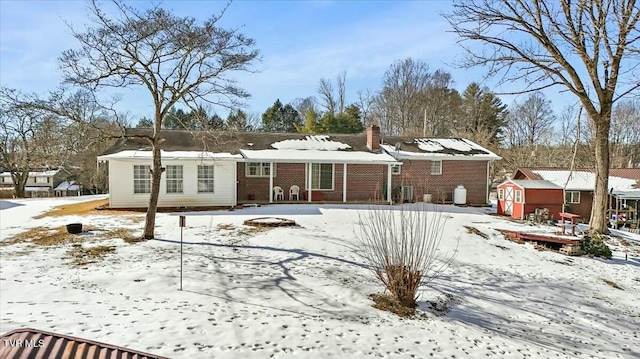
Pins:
x: 373, y: 137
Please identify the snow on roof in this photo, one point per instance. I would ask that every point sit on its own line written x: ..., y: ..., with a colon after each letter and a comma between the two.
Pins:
x: 540, y: 184
x: 49, y: 173
x: 583, y: 180
x: 67, y: 186
x: 317, y: 156
x: 311, y: 142
x: 168, y: 155
x: 440, y: 148
x: 627, y: 194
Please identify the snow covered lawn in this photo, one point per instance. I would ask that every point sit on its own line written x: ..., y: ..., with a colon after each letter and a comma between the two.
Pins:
x: 303, y: 291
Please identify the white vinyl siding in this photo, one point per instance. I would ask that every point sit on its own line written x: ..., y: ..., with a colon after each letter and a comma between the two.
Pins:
x: 259, y: 169
x: 7, y: 179
x: 322, y: 176
x: 42, y: 180
x: 436, y: 167
x: 121, y: 187
x: 174, y: 179
x: 206, y: 179
x: 141, y: 179
x: 572, y: 197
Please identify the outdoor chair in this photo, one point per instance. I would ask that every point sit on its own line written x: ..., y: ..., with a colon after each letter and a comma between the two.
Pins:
x: 294, y: 191
x: 278, y: 193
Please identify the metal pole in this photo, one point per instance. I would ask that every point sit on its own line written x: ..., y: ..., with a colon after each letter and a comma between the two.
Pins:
x: 181, y: 229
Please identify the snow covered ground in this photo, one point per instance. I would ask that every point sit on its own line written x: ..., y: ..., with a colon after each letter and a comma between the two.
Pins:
x: 303, y: 291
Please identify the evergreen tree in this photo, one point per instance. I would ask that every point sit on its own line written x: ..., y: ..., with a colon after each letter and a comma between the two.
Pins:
x: 278, y: 118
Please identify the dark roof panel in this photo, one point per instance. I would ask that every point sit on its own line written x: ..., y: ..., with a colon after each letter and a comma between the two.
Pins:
x: 40, y: 344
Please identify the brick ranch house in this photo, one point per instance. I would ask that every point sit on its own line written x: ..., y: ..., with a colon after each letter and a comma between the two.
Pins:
x: 231, y: 168
x: 579, y: 184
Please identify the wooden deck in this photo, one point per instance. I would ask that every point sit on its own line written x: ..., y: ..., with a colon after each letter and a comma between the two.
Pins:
x: 532, y: 237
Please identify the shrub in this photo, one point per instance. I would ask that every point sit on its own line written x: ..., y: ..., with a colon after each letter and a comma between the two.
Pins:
x: 595, y: 245
x: 401, y: 247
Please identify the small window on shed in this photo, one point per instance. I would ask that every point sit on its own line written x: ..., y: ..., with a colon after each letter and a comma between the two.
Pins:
x: 501, y: 194
x: 518, y: 196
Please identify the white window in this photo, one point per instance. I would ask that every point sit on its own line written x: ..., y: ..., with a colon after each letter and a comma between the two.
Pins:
x: 501, y: 194
x: 518, y: 196
x: 174, y: 179
x: 42, y: 180
x: 258, y: 169
x: 572, y: 197
x: 436, y: 167
x: 322, y: 176
x: 395, y: 169
x: 141, y: 179
x: 205, y: 179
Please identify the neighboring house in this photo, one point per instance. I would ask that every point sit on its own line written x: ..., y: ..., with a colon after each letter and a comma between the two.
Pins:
x: 39, y: 183
x: 68, y: 188
x: 520, y: 198
x: 579, y: 184
x: 224, y: 169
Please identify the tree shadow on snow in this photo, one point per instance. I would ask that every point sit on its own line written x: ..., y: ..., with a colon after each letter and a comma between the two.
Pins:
x: 540, y: 312
x: 9, y: 204
x: 246, y: 274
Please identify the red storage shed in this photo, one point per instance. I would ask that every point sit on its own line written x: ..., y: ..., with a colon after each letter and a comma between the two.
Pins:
x: 518, y: 198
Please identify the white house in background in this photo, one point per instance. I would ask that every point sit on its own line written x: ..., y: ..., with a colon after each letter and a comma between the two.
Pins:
x: 227, y: 168
x: 193, y: 178
x: 39, y: 183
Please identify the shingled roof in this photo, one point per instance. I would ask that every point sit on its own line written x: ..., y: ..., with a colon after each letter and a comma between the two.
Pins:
x: 232, y: 142
x: 438, y: 148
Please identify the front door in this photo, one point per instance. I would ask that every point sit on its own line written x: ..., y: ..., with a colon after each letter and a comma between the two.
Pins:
x: 508, y: 200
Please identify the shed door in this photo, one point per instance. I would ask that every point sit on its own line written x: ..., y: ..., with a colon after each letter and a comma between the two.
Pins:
x: 508, y: 200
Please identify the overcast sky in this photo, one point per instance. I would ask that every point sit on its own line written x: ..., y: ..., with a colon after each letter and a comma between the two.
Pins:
x: 299, y: 42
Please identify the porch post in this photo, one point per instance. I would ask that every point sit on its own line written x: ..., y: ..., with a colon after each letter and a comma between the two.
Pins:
x: 389, y: 185
x: 344, y: 182
x: 309, y: 194
x: 270, y: 182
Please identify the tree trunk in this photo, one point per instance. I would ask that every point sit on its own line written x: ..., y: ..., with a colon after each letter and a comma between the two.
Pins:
x: 156, y: 176
x: 598, y: 222
x: 19, y: 184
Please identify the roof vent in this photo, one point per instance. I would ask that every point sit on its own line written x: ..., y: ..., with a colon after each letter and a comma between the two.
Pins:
x: 397, y: 147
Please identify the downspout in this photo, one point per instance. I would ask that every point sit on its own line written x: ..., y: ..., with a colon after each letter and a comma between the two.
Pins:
x: 488, y: 182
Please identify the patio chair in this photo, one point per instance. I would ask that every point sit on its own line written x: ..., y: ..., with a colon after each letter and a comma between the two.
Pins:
x: 294, y: 191
x: 278, y: 193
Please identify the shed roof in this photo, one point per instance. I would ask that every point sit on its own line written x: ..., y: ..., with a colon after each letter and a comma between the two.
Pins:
x: 60, y: 346
x: 535, y: 184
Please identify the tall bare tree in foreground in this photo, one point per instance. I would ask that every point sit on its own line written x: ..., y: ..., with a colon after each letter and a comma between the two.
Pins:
x: 589, y: 47
x: 176, y: 59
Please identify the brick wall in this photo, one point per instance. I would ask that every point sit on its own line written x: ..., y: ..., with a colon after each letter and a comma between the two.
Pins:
x: 364, y: 182
x: 471, y: 174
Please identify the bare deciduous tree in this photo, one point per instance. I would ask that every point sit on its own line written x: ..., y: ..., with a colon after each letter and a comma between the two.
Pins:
x: 589, y: 47
x: 18, y: 126
x: 400, y: 100
x: 531, y: 122
x: 175, y: 59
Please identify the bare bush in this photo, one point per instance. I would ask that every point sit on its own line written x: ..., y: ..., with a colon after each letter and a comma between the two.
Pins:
x: 401, y: 245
